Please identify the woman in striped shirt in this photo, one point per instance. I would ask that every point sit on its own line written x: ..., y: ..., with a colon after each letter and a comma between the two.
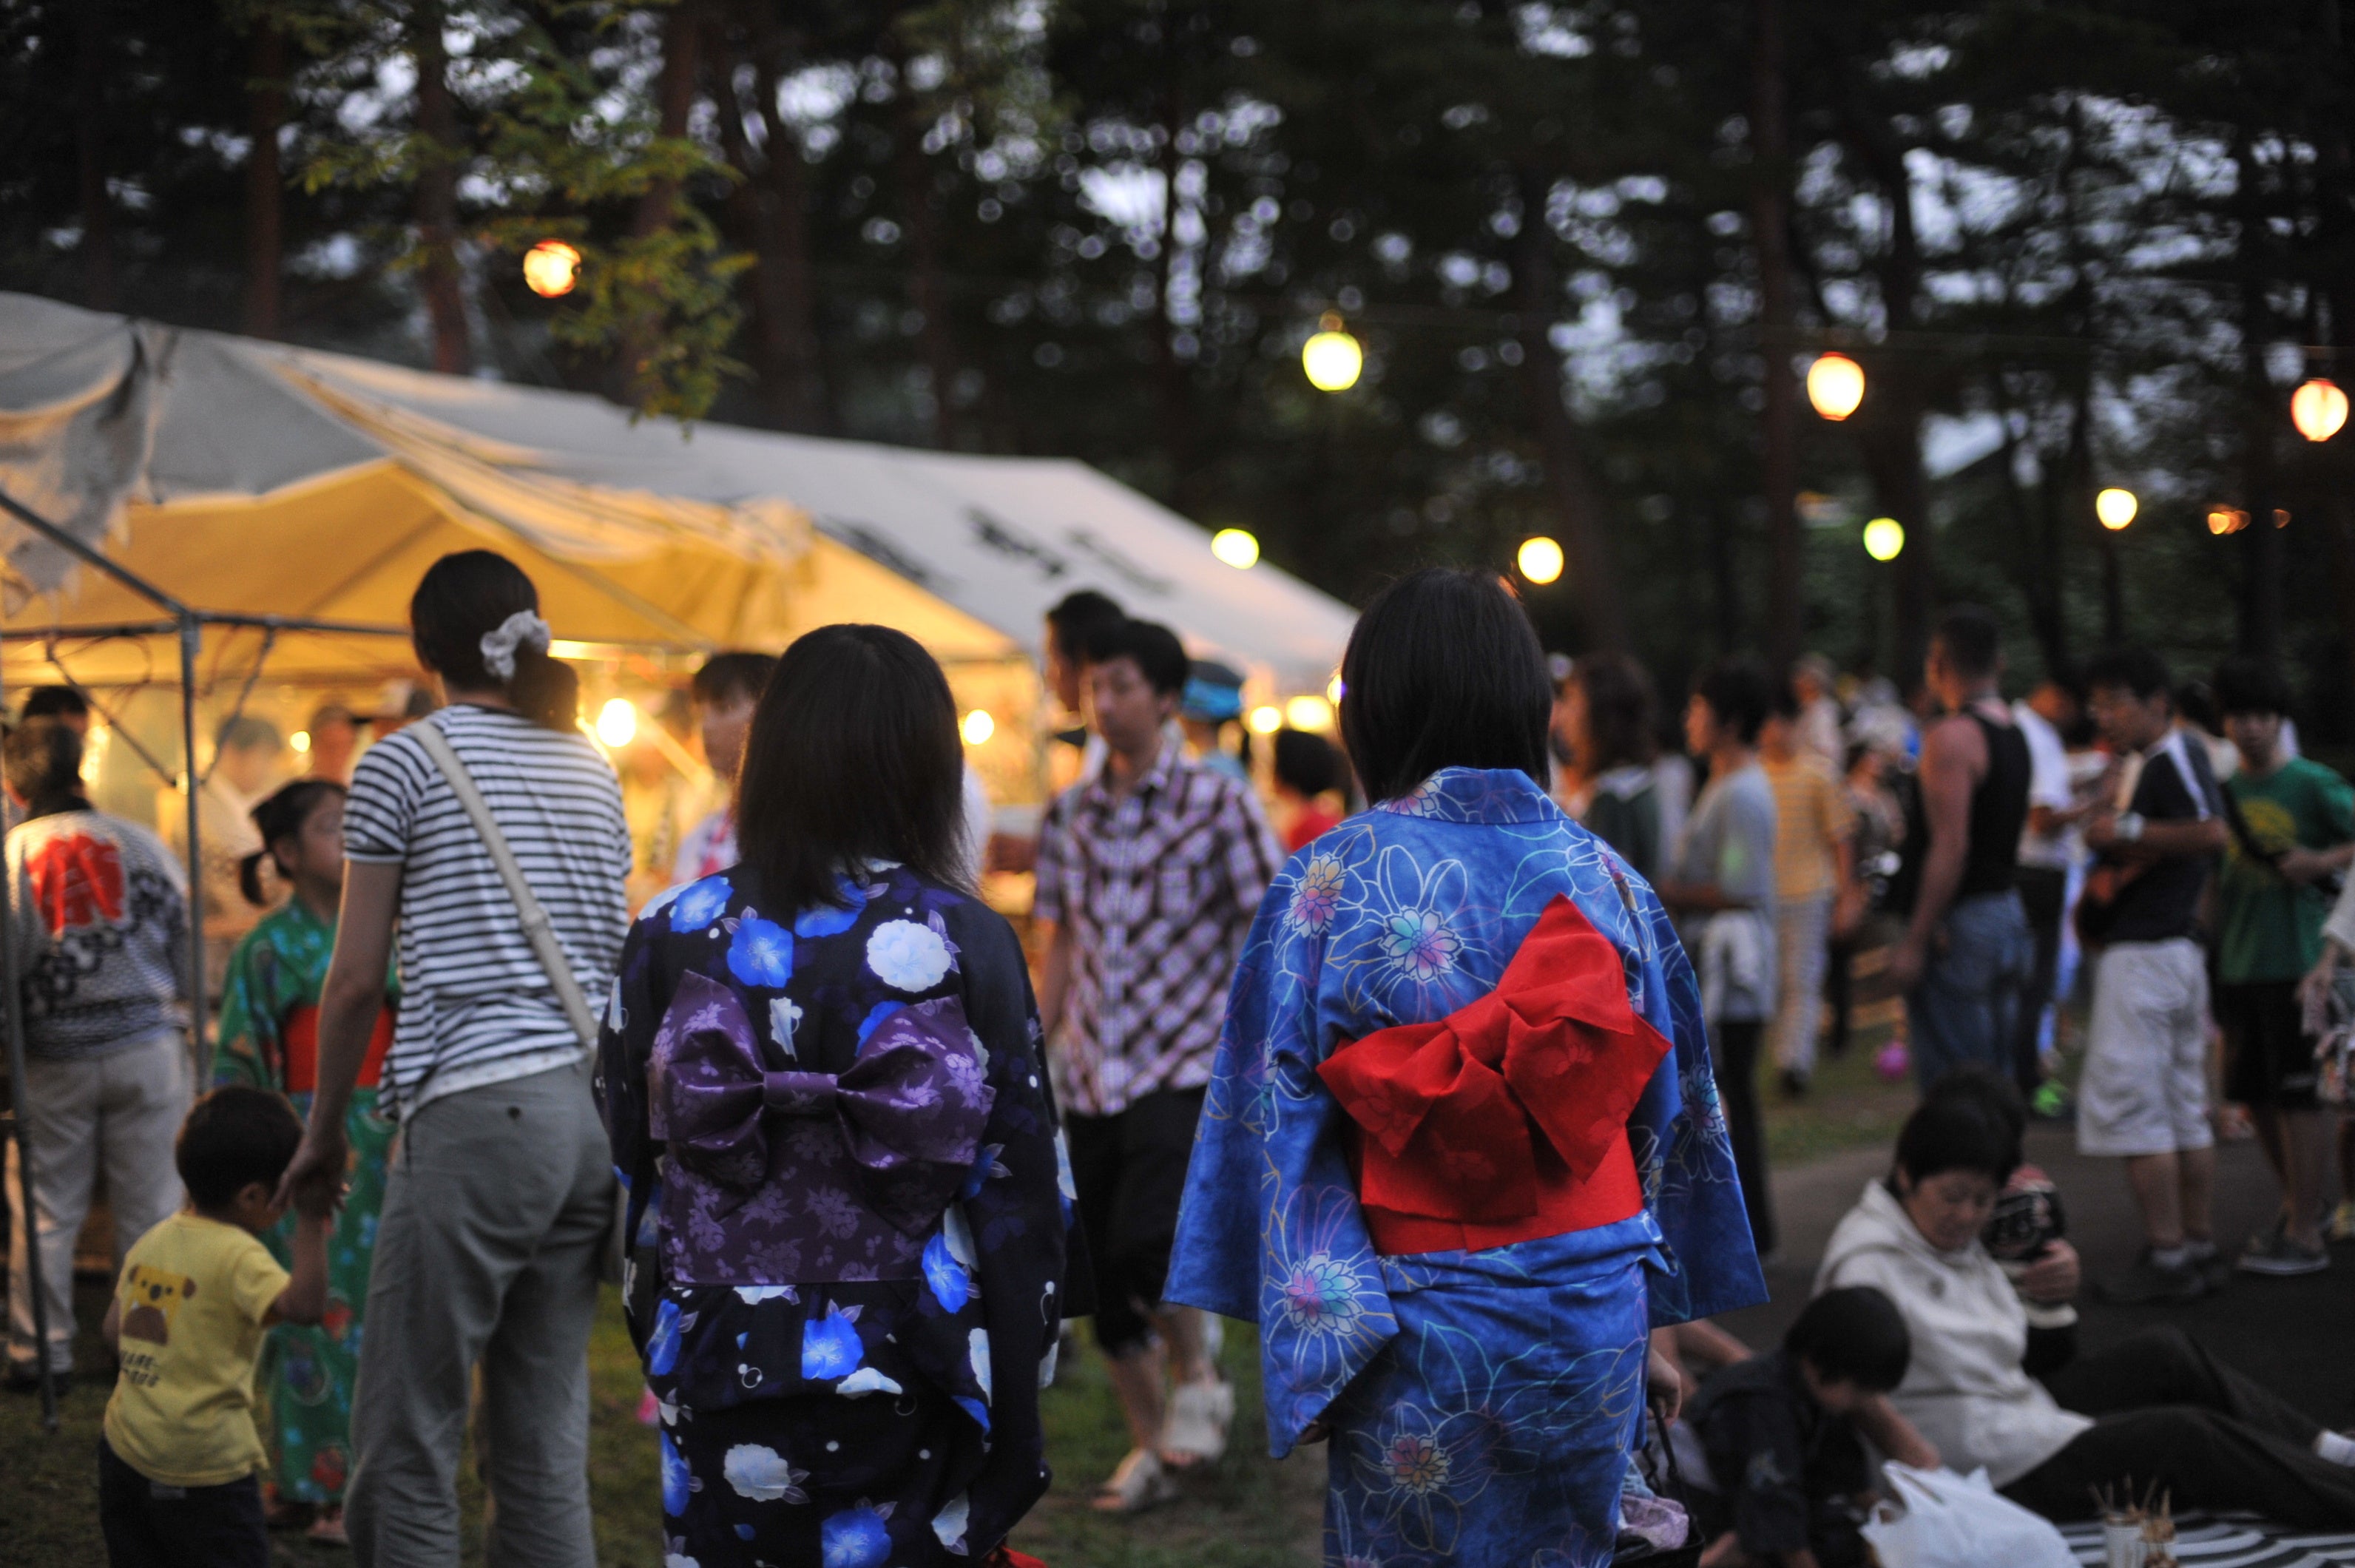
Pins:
x: 501, y: 1191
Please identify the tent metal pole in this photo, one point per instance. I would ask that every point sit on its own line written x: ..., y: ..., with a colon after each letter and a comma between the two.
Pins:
x: 191, y: 637
x: 30, y: 1208
x: 90, y: 556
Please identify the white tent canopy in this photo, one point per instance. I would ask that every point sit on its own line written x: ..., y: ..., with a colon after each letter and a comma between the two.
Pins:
x: 248, y: 477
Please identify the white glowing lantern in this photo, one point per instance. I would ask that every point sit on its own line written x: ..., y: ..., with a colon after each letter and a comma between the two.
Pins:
x: 617, y: 722
x: 1236, y: 546
x: 2318, y: 409
x: 1835, y: 385
x: 1883, y: 539
x: 1539, y: 560
x: 1332, y: 358
x: 978, y: 727
x: 2115, y: 508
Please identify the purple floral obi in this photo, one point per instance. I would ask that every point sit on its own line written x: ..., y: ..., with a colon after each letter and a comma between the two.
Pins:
x: 794, y: 1177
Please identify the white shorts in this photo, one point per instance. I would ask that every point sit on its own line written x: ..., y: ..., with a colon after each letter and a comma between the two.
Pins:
x: 2145, y: 1088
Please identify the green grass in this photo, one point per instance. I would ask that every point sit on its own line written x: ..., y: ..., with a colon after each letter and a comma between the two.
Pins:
x: 1244, y: 1513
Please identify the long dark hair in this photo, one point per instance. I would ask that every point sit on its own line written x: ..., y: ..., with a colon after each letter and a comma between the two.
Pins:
x: 853, y: 754
x: 1618, y: 712
x: 1443, y: 671
x: 279, y: 818
x: 466, y: 594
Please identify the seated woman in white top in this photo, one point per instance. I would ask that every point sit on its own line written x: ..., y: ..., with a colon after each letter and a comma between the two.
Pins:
x: 2155, y: 1408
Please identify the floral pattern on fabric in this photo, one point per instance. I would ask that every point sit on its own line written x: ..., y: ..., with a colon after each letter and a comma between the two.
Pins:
x: 1482, y: 1404
x: 848, y: 1238
x: 279, y: 968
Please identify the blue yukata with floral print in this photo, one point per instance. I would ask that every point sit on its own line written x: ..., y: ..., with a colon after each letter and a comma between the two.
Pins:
x: 850, y: 1215
x: 1483, y: 1406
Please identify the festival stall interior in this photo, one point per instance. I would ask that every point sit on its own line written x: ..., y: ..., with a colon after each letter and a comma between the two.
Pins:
x: 266, y: 510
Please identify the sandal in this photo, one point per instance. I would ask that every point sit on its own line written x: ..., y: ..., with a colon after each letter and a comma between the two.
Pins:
x: 1195, y: 1431
x: 327, y: 1530
x: 1138, y: 1484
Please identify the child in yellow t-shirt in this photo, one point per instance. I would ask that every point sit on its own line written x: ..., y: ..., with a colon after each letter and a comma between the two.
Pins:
x: 176, y: 1466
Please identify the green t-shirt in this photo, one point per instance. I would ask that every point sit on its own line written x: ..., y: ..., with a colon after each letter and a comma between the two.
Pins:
x: 2269, y: 928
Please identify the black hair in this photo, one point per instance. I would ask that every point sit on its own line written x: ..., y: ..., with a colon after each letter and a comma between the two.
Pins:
x: 244, y: 732
x: 235, y: 1135
x: 1155, y: 650
x: 1783, y: 700
x: 1853, y: 1335
x: 1618, y: 712
x: 1307, y: 763
x: 42, y: 762
x: 2197, y: 705
x: 54, y: 702
x: 853, y: 754
x: 328, y: 713
x: 1443, y: 671
x: 2246, y: 684
x: 1079, y: 620
x: 467, y: 594
x: 1972, y: 641
x: 733, y: 678
x: 1970, y: 1120
x: 1739, y: 691
x: 279, y: 818
x: 2139, y: 671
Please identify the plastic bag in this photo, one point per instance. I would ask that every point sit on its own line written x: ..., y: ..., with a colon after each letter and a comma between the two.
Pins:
x: 1959, y: 1522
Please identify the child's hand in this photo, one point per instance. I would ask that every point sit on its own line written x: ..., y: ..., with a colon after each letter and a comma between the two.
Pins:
x: 316, y: 1200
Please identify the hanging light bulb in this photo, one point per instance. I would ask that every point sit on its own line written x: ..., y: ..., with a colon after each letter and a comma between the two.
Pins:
x: 2115, y: 508
x: 1308, y: 712
x: 1539, y: 560
x: 551, y: 268
x: 1332, y: 358
x: 1265, y: 720
x: 2318, y: 409
x: 1883, y: 538
x: 1835, y: 385
x: 978, y: 727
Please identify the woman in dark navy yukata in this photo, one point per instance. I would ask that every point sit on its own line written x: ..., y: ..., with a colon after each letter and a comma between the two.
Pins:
x: 821, y: 1071
x: 1462, y: 1149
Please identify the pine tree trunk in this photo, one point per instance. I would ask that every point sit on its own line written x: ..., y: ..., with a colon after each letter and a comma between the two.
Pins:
x: 1770, y: 208
x: 920, y: 218
x: 1169, y: 372
x: 265, y: 97
x: 98, y: 281
x: 437, y: 193
x: 767, y: 208
x: 1537, y: 302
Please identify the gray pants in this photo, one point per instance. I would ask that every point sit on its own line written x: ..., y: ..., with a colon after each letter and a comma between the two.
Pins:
x: 122, y: 1110
x: 495, y: 1213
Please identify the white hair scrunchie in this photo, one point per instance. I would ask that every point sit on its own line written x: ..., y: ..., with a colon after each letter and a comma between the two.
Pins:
x: 522, y: 629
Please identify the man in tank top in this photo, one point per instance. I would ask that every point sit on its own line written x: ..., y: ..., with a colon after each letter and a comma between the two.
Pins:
x: 1967, y: 954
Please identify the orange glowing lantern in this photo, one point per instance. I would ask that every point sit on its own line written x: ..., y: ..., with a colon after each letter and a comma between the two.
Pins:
x: 2318, y: 409
x: 551, y: 269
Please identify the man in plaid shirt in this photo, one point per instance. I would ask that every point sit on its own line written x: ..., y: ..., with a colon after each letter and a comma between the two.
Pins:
x: 1148, y: 876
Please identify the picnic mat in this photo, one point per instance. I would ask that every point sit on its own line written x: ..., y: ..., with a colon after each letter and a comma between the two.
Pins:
x: 2234, y: 1541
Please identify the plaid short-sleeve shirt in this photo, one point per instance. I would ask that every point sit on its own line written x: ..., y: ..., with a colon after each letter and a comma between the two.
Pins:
x: 1158, y: 886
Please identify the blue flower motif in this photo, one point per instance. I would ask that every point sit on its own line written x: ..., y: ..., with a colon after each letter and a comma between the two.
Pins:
x: 875, y: 1017
x: 676, y: 1483
x: 763, y: 953
x: 833, y: 920
x: 662, y: 1345
x: 987, y: 1167
x: 945, y: 1276
x: 830, y: 1347
x: 700, y: 904
x: 855, y: 1538
x: 974, y: 1408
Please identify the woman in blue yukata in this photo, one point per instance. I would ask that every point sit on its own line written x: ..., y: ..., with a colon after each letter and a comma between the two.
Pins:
x: 1462, y: 1148
x: 821, y: 1075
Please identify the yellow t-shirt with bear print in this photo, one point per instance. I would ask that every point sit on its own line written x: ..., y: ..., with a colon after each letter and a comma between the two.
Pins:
x: 193, y: 1294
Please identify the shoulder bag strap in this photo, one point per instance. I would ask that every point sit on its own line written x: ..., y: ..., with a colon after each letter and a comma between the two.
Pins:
x: 535, y: 925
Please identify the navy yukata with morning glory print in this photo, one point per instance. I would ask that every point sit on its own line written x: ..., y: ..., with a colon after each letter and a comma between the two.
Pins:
x: 851, y: 1220
x: 1483, y: 1405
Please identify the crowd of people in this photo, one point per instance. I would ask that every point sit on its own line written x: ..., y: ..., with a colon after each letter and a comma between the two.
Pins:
x: 1436, y: 1055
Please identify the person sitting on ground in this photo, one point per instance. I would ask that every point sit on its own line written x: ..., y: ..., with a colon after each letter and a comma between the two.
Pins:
x: 1782, y: 1435
x: 177, y: 1461
x: 2156, y: 1406
x: 1307, y: 769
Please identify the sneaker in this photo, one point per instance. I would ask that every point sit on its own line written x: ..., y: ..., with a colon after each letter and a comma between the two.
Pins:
x: 2207, y: 1260
x: 2342, y: 1223
x: 2146, y: 1284
x: 2277, y: 1255
x: 1795, y: 1083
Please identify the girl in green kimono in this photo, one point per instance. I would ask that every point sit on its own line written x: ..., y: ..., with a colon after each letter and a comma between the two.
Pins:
x: 270, y: 1036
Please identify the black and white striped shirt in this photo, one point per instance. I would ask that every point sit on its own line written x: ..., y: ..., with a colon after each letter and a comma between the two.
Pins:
x: 476, y: 1007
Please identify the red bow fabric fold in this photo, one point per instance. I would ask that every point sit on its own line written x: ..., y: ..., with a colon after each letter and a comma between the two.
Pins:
x: 1512, y: 1111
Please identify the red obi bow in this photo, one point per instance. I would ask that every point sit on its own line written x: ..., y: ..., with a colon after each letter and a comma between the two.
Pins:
x: 1506, y: 1120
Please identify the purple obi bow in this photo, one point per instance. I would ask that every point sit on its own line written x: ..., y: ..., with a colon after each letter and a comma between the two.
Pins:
x: 909, y: 1111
